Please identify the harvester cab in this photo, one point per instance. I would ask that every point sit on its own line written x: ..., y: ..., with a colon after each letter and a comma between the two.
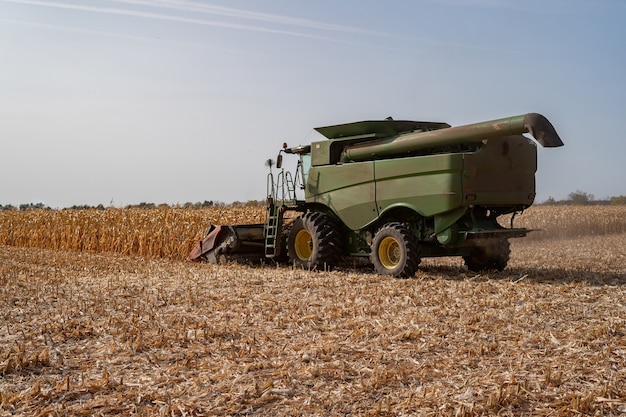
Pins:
x: 395, y: 191
x: 303, y: 163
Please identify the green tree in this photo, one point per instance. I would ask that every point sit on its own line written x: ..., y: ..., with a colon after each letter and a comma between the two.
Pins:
x: 619, y: 200
x: 580, y: 198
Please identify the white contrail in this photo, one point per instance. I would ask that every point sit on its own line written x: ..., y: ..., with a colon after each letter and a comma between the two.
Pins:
x: 189, y: 6
x: 186, y: 6
x: 158, y: 16
x: 182, y: 5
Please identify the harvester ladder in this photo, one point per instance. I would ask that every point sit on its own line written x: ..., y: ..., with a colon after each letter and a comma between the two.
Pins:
x: 273, y: 227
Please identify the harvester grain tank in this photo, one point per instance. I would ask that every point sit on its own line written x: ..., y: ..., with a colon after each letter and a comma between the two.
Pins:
x: 395, y: 191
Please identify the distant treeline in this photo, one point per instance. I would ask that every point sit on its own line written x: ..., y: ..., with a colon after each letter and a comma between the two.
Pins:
x: 577, y: 198
x: 142, y: 205
x: 581, y: 198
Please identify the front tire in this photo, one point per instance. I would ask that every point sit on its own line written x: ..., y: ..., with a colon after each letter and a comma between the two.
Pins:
x: 314, y: 242
x: 494, y: 256
x: 395, y: 251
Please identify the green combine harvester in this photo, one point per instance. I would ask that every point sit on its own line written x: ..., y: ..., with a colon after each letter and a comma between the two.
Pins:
x: 395, y: 191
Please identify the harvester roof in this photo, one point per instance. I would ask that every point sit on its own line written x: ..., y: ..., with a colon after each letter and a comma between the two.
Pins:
x: 377, y: 128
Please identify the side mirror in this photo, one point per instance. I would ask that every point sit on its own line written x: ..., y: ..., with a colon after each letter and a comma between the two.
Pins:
x: 279, y: 161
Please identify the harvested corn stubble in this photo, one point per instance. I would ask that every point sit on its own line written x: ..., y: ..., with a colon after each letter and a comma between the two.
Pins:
x: 101, y: 333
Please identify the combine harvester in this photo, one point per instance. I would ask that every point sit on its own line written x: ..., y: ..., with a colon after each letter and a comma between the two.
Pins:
x: 395, y: 191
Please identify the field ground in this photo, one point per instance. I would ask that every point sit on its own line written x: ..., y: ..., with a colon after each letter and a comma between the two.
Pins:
x: 85, y: 333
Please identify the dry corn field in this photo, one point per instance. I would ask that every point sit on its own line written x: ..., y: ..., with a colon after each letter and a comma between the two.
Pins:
x: 101, y: 315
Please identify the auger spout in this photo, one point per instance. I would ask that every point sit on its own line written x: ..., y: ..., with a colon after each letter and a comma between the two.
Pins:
x: 533, y: 123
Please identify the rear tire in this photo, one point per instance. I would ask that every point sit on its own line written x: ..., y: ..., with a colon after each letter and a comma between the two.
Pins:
x: 395, y: 251
x: 494, y: 256
x: 314, y: 242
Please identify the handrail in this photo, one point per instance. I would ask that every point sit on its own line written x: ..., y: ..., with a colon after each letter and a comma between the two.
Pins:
x: 284, y: 188
x: 270, y: 187
x: 291, y: 189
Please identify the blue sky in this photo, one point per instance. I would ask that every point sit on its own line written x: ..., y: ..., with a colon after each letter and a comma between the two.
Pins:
x: 174, y: 101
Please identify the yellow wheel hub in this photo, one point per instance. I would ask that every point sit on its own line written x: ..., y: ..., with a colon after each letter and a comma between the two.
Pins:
x: 389, y: 252
x: 303, y: 244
